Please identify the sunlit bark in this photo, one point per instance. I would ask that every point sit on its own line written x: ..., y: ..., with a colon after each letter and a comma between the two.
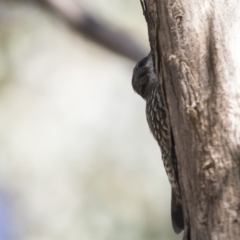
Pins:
x: 197, y: 58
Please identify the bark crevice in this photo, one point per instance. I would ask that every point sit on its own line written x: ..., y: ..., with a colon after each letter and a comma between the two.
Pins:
x: 196, y: 57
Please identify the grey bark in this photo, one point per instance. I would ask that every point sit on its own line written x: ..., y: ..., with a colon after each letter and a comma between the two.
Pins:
x: 197, y: 57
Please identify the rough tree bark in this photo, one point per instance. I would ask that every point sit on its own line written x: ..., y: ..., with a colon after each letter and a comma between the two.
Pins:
x: 197, y: 57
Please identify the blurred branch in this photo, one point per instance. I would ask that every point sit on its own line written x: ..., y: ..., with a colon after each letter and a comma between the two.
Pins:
x: 73, y: 13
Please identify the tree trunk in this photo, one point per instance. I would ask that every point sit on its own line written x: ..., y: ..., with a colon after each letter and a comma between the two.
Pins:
x: 196, y: 52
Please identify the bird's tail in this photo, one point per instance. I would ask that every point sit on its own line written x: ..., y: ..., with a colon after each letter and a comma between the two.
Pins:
x: 177, y: 214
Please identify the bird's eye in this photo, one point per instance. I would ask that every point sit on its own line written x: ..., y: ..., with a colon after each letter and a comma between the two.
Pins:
x: 142, y: 62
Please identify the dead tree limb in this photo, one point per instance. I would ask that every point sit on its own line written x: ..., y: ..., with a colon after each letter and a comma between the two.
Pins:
x: 92, y: 26
x: 82, y: 21
x: 196, y: 54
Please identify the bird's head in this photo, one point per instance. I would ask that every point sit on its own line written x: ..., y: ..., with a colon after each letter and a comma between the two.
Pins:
x: 142, y: 76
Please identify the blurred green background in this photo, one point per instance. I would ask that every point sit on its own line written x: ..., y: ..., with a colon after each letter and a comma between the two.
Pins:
x: 77, y: 159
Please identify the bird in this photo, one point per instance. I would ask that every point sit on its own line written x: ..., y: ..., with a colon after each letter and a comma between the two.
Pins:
x: 147, y: 85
